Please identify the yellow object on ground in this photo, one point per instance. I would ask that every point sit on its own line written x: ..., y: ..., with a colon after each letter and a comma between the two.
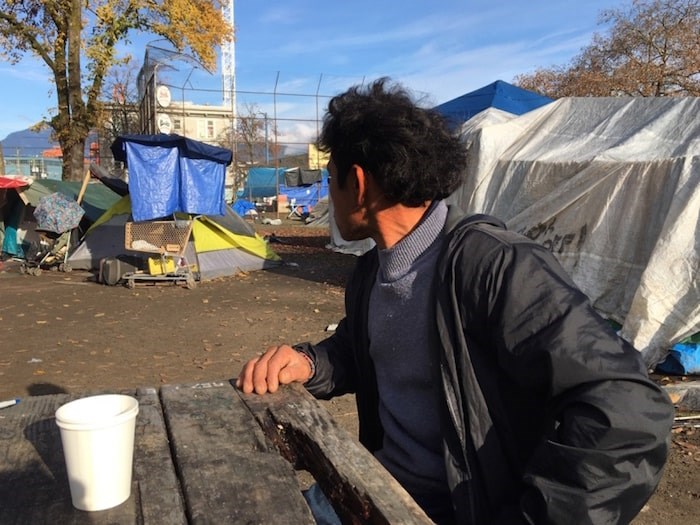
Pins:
x: 161, y: 265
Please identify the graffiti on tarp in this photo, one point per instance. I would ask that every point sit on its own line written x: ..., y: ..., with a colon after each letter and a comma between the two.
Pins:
x: 545, y: 234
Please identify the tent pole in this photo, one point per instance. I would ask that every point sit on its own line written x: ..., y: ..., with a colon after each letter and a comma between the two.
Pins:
x: 86, y: 179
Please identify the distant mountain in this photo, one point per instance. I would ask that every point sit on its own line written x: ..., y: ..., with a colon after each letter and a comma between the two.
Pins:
x: 27, y: 143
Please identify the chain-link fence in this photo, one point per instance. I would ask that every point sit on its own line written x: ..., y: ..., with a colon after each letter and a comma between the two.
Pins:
x: 276, y: 128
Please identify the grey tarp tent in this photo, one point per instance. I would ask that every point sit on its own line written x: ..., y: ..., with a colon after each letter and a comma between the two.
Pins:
x: 612, y: 187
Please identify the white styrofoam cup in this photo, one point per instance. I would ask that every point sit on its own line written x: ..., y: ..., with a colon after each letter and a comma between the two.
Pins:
x: 97, y: 434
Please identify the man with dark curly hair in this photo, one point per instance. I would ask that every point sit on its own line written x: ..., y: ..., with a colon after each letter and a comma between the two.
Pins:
x: 485, y: 381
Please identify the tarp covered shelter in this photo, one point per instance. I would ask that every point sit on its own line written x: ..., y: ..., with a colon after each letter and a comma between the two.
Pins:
x: 612, y: 187
x: 174, y: 177
x: 262, y: 182
x: 499, y: 94
x: 305, y: 191
x: 305, y: 186
x: 170, y: 173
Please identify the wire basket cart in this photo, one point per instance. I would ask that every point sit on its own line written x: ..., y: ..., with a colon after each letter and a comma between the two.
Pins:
x: 167, y: 240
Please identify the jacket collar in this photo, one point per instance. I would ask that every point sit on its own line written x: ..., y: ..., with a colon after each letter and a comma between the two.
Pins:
x: 456, y: 219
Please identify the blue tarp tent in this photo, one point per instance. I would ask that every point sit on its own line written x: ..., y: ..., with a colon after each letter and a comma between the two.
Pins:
x: 499, y: 94
x: 261, y: 183
x: 307, y: 195
x: 243, y: 206
x: 170, y: 173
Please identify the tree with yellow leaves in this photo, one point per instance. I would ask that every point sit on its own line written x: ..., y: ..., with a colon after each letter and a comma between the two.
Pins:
x: 77, y: 39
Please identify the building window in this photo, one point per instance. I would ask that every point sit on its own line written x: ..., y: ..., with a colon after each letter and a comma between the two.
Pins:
x: 205, y: 129
x: 177, y: 126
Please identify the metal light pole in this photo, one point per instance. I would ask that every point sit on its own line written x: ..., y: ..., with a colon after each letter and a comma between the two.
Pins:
x: 267, y: 147
x: 154, y: 119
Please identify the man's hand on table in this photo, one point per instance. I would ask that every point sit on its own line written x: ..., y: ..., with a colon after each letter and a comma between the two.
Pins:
x: 279, y: 365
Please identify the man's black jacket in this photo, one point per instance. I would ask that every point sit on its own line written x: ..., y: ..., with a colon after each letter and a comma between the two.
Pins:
x: 548, y: 416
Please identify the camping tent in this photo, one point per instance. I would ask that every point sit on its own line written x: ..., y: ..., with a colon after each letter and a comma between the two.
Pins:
x: 17, y: 205
x: 612, y: 187
x: 220, y: 245
x: 500, y: 95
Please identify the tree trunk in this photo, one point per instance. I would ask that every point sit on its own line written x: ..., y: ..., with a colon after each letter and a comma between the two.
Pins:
x: 73, y: 161
x: 77, y: 132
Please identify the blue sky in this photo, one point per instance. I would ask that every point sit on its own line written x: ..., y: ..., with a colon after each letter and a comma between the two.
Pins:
x: 440, y: 49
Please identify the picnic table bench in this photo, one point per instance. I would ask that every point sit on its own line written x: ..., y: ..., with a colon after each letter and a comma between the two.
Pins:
x: 204, y: 453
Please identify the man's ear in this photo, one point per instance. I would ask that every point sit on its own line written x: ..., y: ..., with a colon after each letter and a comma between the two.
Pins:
x: 357, y: 182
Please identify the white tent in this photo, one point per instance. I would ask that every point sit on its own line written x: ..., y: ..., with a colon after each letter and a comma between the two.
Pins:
x: 612, y: 187
x: 337, y: 243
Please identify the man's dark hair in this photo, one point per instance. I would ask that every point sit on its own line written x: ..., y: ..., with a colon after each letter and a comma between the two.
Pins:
x: 410, y: 151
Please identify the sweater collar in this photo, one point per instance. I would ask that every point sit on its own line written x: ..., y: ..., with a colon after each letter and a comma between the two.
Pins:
x: 397, y: 260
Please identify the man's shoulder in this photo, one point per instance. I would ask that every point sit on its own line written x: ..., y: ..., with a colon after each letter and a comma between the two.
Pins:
x: 480, y: 238
x: 488, y: 225
x: 457, y: 219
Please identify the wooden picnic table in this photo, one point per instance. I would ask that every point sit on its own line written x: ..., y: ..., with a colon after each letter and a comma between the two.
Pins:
x: 203, y: 453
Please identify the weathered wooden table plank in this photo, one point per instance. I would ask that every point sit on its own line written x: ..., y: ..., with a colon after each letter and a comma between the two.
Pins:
x: 33, y: 480
x: 203, y: 453
x: 159, y: 490
x: 231, y: 473
x: 360, y: 489
x: 31, y: 467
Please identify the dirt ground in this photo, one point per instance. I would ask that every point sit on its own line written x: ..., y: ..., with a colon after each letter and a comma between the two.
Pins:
x: 63, y: 332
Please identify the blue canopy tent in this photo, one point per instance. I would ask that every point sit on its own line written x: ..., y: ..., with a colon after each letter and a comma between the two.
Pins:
x: 170, y: 173
x: 499, y: 94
